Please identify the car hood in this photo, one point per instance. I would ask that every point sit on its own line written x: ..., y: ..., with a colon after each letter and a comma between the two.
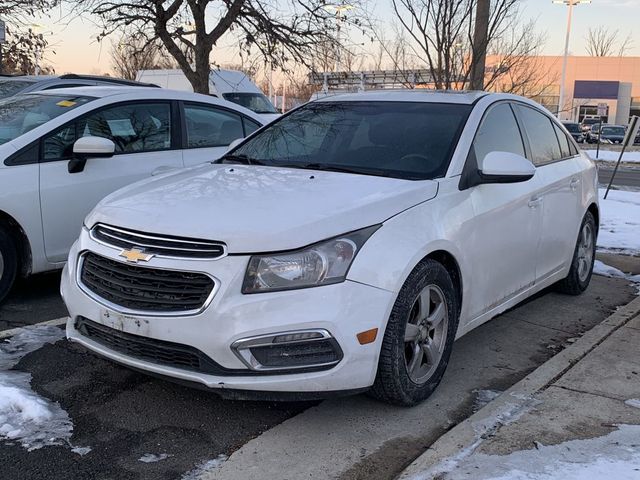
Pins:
x: 259, y: 209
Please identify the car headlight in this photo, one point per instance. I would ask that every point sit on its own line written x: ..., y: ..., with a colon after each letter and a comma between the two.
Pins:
x: 323, y: 263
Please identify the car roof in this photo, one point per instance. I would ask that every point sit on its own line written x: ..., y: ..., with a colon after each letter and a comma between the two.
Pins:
x: 146, y: 93
x: 409, y: 95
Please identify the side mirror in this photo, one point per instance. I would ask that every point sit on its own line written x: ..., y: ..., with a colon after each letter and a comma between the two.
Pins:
x: 89, y: 147
x: 234, y: 144
x: 505, y: 167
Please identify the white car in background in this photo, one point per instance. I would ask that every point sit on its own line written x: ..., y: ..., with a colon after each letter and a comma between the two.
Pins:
x: 342, y: 248
x: 62, y: 151
x: 231, y: 85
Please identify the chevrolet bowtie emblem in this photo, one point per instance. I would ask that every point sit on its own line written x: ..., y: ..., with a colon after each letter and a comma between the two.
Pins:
x: 136, y: 255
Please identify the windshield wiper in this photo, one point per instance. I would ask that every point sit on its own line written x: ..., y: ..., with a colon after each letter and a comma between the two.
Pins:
x: 350, y: 169
x: 239, y: 158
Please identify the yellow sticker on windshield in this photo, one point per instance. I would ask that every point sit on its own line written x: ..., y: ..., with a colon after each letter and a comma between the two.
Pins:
x: 66, y: 103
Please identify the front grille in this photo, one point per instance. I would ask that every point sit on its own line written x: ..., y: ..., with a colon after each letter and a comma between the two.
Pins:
x: 149, y: 349
x: 143, y: 288
x: 158, y: 245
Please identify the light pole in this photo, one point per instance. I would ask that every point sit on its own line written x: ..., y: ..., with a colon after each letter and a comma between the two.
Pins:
x: 339, y: 11
x: 570, y: 4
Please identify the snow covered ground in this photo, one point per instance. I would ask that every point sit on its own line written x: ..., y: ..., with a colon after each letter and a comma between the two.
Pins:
x: 612, y: 156
x: 25, y: 417
x: 620, y: 222
x: 612, y: 457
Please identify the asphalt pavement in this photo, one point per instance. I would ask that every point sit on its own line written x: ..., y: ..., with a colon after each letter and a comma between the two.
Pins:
x: 124, y: 415
x: 625, y: 176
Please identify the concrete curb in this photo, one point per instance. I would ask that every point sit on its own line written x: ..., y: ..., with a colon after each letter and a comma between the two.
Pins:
x: 462, y: 440
x: 12, y: 331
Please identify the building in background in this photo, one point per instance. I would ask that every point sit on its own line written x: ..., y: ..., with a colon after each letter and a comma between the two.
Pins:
x: 614, y: 81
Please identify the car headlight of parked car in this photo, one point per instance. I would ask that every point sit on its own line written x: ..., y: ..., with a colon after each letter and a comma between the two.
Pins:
x: 323, y: 263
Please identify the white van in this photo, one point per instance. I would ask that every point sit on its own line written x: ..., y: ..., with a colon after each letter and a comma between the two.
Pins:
x: 232, y: 85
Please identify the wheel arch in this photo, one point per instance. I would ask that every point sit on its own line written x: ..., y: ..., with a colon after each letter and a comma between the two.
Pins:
x: 21, y: 241
x: 449, y: 262
x: 593, y: 209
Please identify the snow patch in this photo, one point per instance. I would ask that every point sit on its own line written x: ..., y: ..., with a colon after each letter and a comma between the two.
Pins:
x: 612, y: 156
x: 153, y: 457
x: 82, y: 451
x: 483, y: 397
x: 613, y: 456
x: 619, y: 221
x: 25, y: 417
x: 204, y: 467
x: 483, y: 429
x: 633, y: 402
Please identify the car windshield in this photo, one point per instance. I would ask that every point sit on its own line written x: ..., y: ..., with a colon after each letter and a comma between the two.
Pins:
x: 10, y: 87
x: 617, y: 131
x: 590, y: 121
x: 256, y: 102
x: 22, y: 113
x: 410, y: 140
x: 572, y: 127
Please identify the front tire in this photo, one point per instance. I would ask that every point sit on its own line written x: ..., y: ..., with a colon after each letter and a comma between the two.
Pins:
x: 419, y: 337
x: 8, y: 262
x: 584, y: 255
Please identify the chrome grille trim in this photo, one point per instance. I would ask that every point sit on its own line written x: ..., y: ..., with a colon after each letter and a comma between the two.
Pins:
x: 158, y: 245
x: 143, y: 313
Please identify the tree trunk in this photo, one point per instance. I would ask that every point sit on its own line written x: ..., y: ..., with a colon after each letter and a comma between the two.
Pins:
x: 480, y: 41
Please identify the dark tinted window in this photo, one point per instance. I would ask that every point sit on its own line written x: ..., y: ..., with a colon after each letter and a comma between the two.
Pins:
x: 9, y: 87
x: 405, y: 140
x: 542, y: 138
x: 211, y: 127
x: 59, y: 144
x: 250, y: 126
x: 572, y: 127
x: 498, y: 133
x: 563, y: 140
x: 256, y: 102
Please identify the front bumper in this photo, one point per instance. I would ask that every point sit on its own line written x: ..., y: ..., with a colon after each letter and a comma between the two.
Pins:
x: 343, y: 309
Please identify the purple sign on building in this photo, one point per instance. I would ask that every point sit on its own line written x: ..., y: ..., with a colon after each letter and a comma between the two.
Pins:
x: 596, y: 89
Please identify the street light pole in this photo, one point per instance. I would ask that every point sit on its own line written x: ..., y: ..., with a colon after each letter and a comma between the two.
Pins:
x: 565, y: 58
x: 338, y: 10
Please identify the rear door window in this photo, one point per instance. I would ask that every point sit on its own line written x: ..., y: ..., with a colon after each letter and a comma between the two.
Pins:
x: 211, y: 127
x: 564, y: 142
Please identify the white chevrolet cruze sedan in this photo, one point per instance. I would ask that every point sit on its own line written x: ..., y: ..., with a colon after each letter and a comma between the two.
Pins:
x: 341, y: 249
x: 63, y: 150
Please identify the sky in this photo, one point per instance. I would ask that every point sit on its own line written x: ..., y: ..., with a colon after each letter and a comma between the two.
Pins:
x: 76, y: 49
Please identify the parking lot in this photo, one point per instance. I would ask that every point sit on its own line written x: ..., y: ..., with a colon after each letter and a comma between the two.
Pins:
x: 124, y: 416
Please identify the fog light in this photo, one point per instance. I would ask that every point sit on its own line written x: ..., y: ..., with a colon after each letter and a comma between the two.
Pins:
x: 294, y: 337
x: 296, y: 354
x: 303, y: 349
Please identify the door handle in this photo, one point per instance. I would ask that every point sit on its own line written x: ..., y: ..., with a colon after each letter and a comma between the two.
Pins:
x: 534, y: 202
x: 574, y: 184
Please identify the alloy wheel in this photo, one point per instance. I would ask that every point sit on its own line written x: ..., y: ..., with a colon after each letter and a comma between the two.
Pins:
x: 585, y: 252
x: 426, y: 334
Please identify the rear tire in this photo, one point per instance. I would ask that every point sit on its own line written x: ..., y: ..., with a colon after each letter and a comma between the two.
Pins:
x: 584, y: 256
x: 8, y: 262
x: 419, y: 337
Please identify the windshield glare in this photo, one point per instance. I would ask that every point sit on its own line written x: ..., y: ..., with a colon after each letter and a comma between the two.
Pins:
x: 411, y: 140
x: 256, y: 102
x: 11, y: 87
x: 619, y: 131
x: 22, y: 113
x: 572, y: 127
